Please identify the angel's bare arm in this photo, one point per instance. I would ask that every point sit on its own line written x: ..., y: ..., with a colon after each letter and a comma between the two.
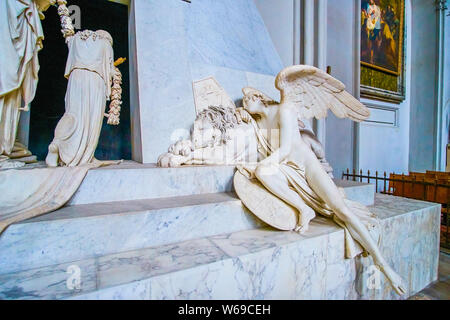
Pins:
x: 207, y: 155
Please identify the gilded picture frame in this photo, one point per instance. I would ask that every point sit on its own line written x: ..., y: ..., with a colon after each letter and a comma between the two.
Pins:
x: 383, y: 49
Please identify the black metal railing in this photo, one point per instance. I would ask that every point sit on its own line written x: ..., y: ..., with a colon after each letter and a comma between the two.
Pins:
x: 411, y: 186
x: 354, y: 176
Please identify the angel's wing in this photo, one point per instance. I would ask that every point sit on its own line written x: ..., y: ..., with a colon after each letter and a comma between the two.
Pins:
x: 314, y: 91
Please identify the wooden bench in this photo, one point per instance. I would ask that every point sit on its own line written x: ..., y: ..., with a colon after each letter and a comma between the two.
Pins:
x: 421, y: 186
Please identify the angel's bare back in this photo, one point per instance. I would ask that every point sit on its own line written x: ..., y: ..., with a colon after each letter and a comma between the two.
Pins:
x: 302, y: 154
x: 316, y: 176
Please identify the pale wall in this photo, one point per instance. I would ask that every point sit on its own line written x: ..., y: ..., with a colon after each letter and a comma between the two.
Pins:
x: 278, y: 17
x: 340, y: 56
x: 386, y: 148
x: 446, y: 117
x: 423, y: 83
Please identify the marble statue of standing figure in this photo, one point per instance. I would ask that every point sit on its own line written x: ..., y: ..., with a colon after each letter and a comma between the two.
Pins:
x: 91, y: 72
x: 21, y: 37
x: 292, y: 171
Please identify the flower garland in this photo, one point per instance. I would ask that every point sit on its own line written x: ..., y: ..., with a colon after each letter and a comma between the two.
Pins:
x: 64, y: 14
x: 116, y: 96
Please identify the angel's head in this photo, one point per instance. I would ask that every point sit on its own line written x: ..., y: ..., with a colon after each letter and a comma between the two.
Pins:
x: 255, y: 101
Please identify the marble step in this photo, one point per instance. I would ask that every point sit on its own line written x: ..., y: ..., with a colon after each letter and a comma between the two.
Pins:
x: 134, y: 181
x: 84, y: 231
x: 251, y: 264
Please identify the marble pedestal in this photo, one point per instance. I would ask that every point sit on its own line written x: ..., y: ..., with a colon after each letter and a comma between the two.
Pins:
x: 135, y: 181
x: 251, y: 264
x: 133, y: 206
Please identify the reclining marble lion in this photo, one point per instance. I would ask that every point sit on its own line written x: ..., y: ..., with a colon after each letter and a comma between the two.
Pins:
x: 227, y: 136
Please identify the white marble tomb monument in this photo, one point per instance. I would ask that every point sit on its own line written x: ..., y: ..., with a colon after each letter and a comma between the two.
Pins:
x: 139, y: 231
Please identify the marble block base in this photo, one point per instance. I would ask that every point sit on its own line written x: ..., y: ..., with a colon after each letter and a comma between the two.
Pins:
x: 133, y: 181
x: 252, y: 264
x: 83, y: 231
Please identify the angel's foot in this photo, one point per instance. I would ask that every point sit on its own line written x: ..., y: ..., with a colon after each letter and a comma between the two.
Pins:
x: 305, y: 216
x: 52, y: 157
x: 301, y: 229
x: 51, y: 160
x: 395, y: 280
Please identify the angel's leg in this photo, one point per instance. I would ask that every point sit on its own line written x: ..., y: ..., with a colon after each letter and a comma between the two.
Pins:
x: 325, y: 188
x: 275, y: 181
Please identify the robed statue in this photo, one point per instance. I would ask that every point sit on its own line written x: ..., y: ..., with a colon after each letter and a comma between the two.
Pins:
x: 21, y: 37
x: 93, y: 79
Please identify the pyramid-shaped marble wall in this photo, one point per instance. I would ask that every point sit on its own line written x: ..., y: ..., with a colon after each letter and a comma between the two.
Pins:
x: 174, y: 43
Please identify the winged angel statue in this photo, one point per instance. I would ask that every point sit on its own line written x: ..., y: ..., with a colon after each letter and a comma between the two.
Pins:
x: 293, y: 173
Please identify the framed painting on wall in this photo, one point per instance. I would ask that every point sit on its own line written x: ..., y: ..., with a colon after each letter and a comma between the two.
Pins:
x: 382, y: 49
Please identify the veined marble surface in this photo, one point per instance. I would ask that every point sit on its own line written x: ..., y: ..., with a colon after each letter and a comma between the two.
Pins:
x: 230, y: 34
x: 358, y: 191
x: 224, y: 39
x: 134, y: 181
x: 85, y: 231
x: 253, y: 264
x: 96, y: 229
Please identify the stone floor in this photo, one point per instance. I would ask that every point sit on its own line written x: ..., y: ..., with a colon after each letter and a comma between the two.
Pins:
x: 440, y: 290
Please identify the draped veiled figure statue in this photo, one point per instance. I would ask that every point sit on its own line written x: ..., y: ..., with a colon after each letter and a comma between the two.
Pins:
x: 293, y: 173
x: 21, y: 38
x: 90, y: 70
x: 93, y: 79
